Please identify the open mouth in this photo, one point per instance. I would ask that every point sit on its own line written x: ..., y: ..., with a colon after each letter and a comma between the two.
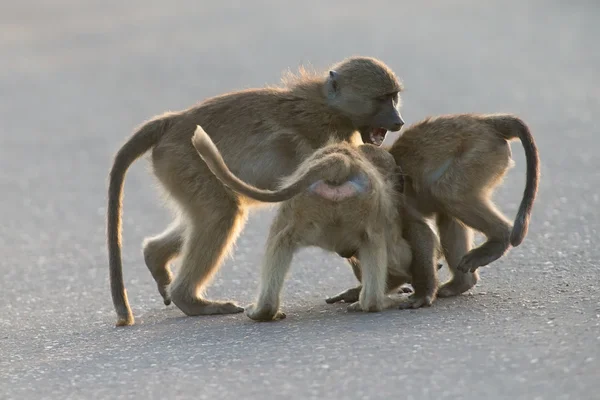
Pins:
x: 377, y: 135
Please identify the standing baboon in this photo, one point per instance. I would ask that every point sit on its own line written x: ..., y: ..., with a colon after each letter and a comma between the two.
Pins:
x: 452, y: 164
x: 342, y: 199
x: 263, y: 135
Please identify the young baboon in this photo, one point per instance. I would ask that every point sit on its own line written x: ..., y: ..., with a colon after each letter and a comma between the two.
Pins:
x: 425, y: 245
x: 263, y: 135
x: 452, y: 164
x: 342, y: 199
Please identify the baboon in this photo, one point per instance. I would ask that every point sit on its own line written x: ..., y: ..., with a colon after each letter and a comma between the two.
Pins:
x: 421, y: 238
x: 263, y: 135
x: 342, y: 199
x: 452, y: 164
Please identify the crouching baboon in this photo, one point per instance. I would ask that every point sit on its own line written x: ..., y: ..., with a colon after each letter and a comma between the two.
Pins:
x: 263, y: 134
x: 426, y: 243
x: 452, y: 164
x: 342, y: 199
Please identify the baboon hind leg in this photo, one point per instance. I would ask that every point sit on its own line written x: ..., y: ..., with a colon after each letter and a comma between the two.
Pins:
x: 457, y: 240
x: 482, y: 215
x: 211, y: 231
x: 424, y: 265
x: 277, y: 260
x: 159, y: 251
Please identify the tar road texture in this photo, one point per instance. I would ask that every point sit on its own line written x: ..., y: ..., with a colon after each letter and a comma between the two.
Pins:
x: 77, y: 77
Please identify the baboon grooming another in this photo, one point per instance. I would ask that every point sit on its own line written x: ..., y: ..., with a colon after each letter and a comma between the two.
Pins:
x: 263, y: 134
x: 452, y: 164
x: 342, y: 199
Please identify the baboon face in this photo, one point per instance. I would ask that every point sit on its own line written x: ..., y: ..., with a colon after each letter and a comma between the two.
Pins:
x: 386, y: 118
x: 368, y: 92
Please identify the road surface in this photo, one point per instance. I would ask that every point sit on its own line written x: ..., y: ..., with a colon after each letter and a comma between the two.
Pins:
x: 77, y: 77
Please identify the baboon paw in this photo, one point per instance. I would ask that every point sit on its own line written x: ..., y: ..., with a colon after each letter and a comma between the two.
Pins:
x: 356, y: 306
x: 204, y: 307
x: 455, y: 287
x: 348, y: 296
x: 405, y: 290
x: 229, y: 308
x: 414, y: 301
x: 165, y: 294
x: 448, y: 291
x: 263, y: 314
x: 481, y: 256
x: 468, y: 264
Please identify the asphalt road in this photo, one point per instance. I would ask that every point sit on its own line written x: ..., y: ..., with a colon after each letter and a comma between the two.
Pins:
x: 77, y: 77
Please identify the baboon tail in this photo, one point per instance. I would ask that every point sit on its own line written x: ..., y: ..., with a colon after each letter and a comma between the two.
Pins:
x: 511, y: 127
x: 212, y: 157
x: 140, y: 142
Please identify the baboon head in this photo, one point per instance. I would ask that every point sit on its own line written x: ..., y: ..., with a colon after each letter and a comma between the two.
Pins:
x: 366, y: 91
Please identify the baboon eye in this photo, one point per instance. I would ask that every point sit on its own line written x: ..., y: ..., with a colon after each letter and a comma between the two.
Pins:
x: 389, y: 97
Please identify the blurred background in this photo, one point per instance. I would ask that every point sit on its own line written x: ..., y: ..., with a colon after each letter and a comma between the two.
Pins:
x: 77, y: 77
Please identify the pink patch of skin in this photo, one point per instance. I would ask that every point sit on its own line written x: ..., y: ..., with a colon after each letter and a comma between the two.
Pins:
x: 335, y: 193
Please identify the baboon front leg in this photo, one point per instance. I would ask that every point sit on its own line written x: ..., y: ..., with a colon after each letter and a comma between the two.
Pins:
x: 159, y: 251
x: 457, y: 240
x: 424, y: 265
x: 276, y: 264
x: 209, y: 236
x: 373, y: 260
x: 482, y: 215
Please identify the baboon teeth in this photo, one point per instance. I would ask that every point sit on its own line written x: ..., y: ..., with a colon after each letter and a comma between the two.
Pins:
x: 377, y: 136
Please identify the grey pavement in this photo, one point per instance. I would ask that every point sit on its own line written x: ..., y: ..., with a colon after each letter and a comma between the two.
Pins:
x: 77, y: 76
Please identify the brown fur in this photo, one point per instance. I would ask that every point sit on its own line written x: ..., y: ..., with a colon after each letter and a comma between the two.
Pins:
x: 368, y: 222
x: 426, y: 254
x: 263, y: 134
x: 452, y: 164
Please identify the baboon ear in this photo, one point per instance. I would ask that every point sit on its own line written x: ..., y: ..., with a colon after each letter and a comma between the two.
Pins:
x: 333, y: 83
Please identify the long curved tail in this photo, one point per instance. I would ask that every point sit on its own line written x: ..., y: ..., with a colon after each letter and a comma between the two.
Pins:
x: 330, y: 165
x: 140, y: 142
x: 512, y: 127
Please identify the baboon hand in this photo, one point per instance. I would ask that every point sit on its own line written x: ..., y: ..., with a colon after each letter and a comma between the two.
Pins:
x: 405, y: 289
x: 416, y: 301
x: 263, y: 313
x: 356, y: 306
x: 477, y: 258
x: 467, y: 264
x: 348, y: 296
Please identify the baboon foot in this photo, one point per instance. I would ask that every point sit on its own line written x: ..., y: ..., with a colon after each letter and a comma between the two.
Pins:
x: 405, y: 289
x: 196, y: 307
x: 414, y: 301
x: 160, y: 272
x: 264, y: 313
x: 163, y: 280
x: 162, y: 289
x: 356, y: 306
x: 348, y: 296
x: 481, y: 256
x: 457, y: 285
